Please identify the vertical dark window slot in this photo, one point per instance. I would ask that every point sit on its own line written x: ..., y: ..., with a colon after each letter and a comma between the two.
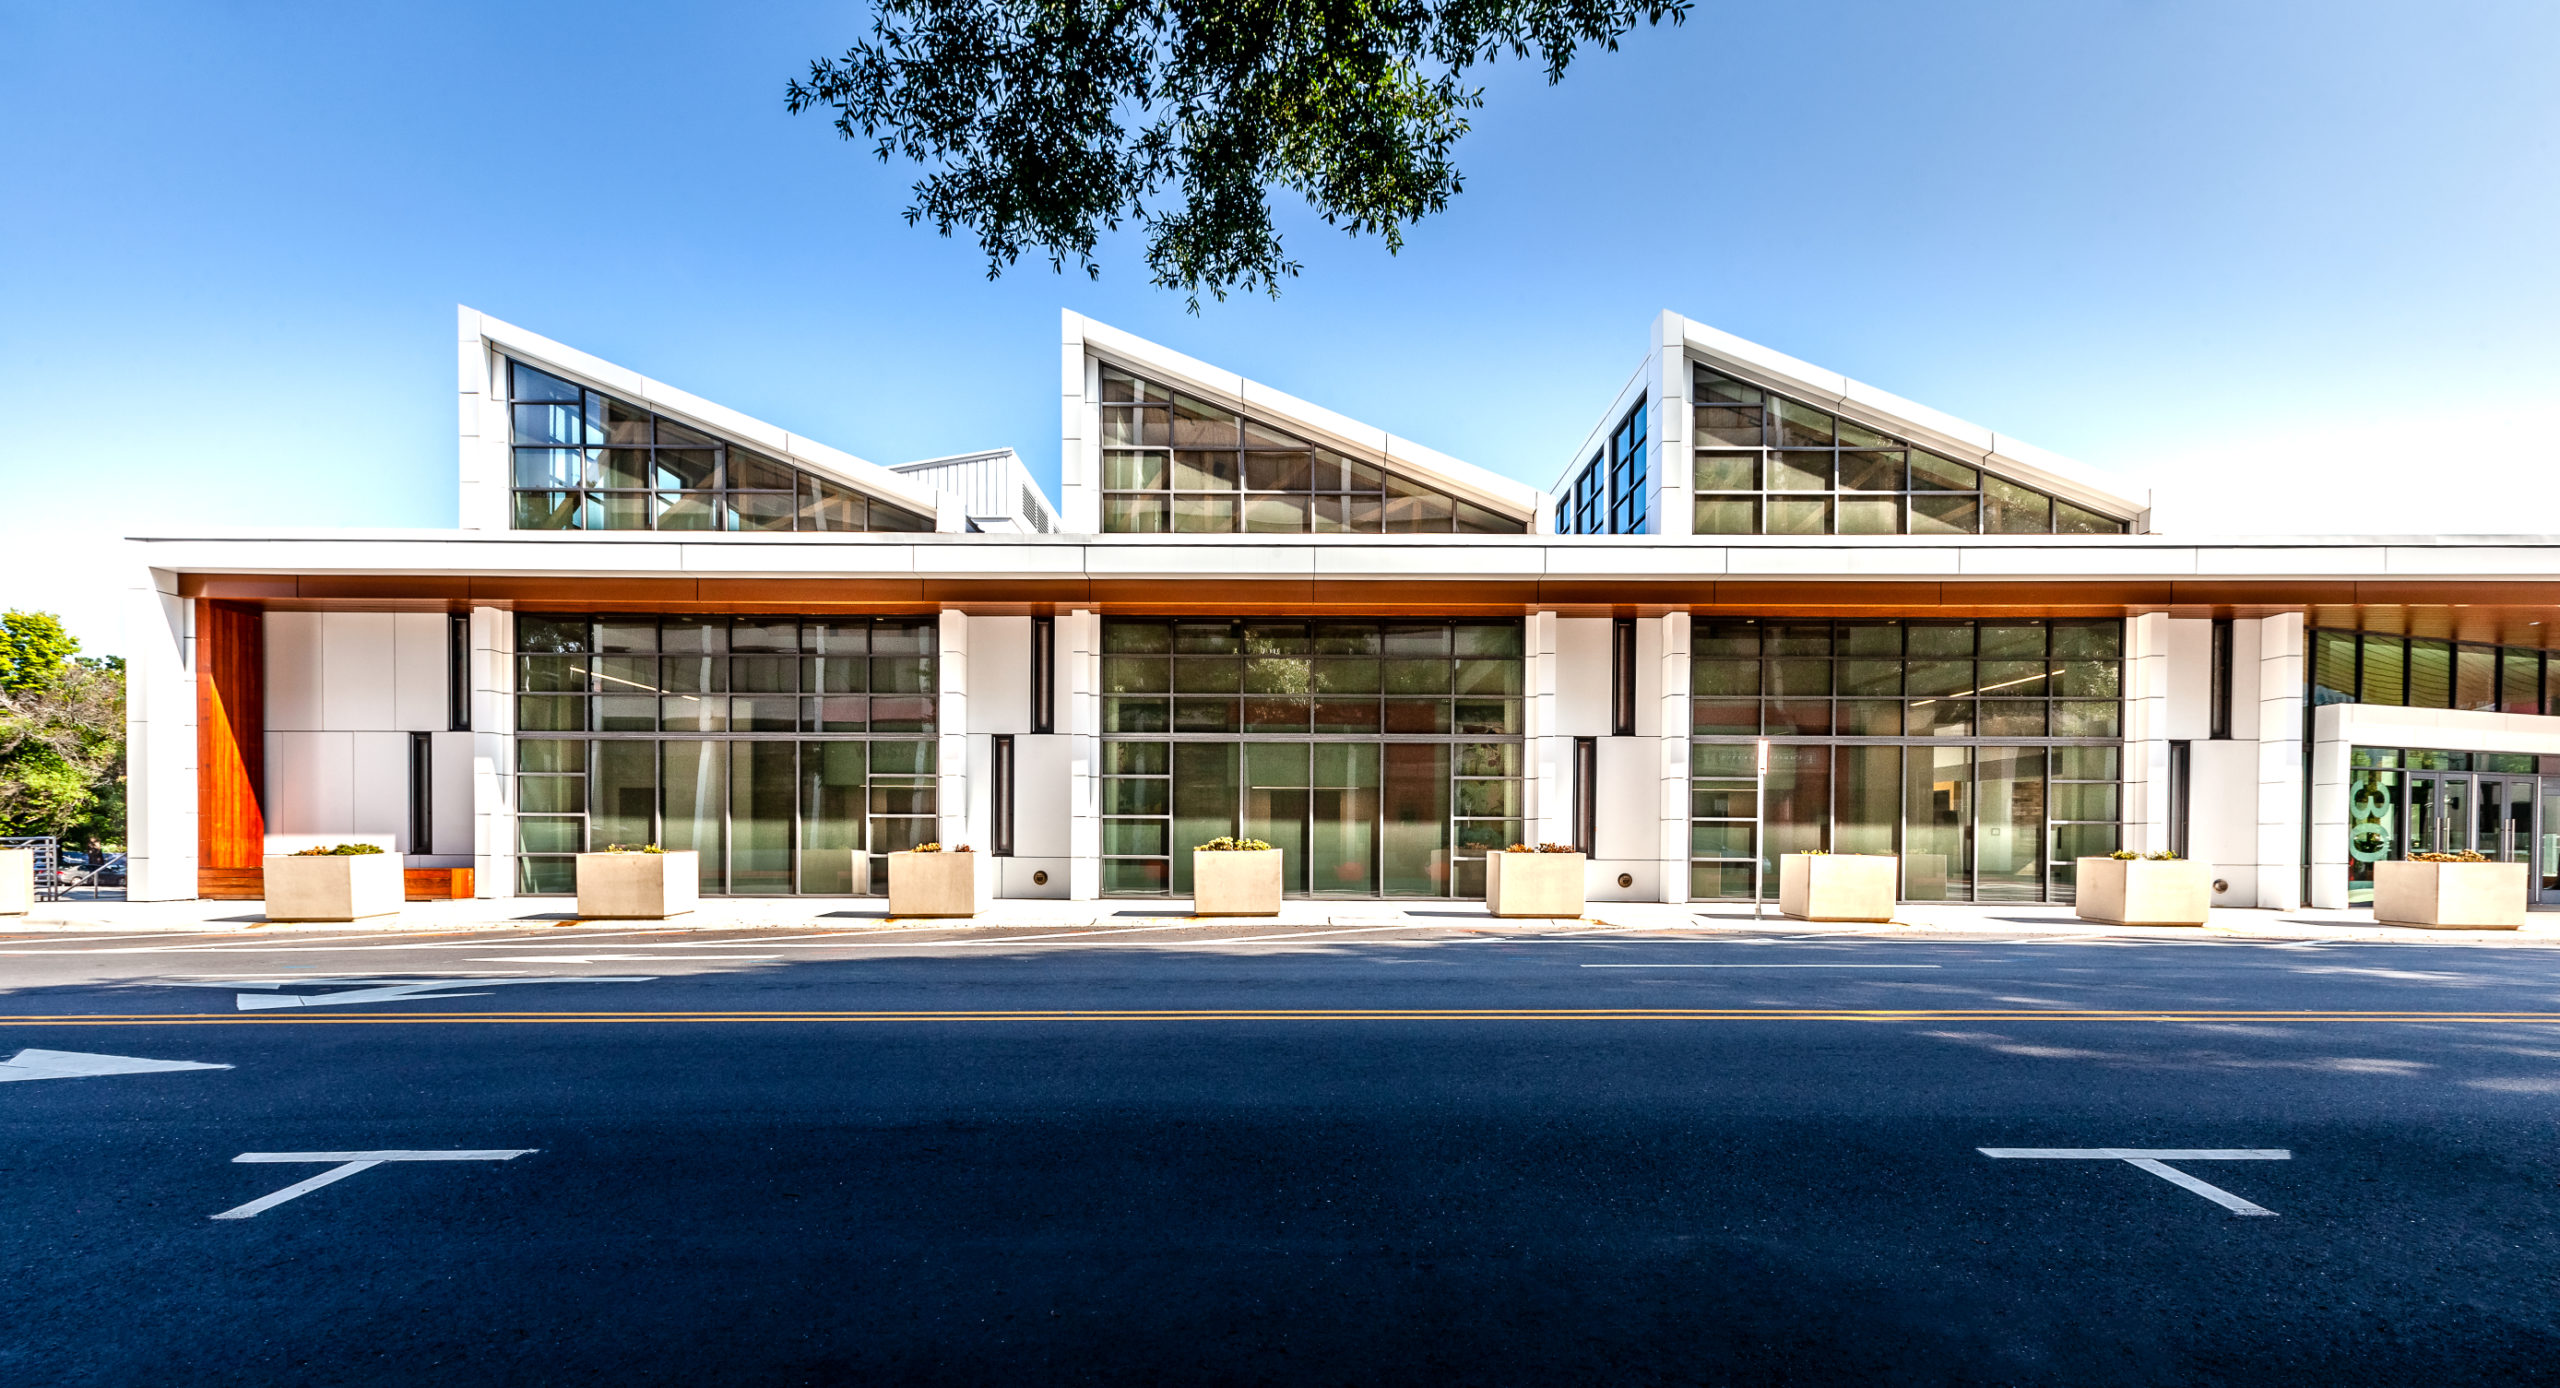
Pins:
x: 457, y: 673
x: 1622, y: 677
x: 1586, y: 794
x: 2181, y: 755
x: 1000, y: 787
x: 2220, y: 717
x: 422, y: 793
x: 1044, y: 674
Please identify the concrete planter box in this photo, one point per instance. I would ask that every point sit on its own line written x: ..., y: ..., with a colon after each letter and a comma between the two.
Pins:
x: 1837, y: 886
x: 2450, y: 896
x: 334, y: 888
x: 638, y: 886
x: 1235, y: 883
x: 1534, y: 884
x: 2138, y: 891
x: 17, y: 881
x: 933, y: 884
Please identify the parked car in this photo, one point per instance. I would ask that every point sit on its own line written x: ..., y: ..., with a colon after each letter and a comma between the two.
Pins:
x: 81, y: 870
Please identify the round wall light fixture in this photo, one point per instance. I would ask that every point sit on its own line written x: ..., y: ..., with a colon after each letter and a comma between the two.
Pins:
x: 1626, y: 879
x: 1040, y: 878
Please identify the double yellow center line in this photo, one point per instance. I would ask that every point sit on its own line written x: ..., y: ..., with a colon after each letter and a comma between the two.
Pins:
x: 1325, y: 1014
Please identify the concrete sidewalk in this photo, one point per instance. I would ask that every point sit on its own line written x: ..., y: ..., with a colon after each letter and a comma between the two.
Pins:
x: 1924, y: 920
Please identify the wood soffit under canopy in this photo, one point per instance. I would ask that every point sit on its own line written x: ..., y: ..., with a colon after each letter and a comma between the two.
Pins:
x: 2516, y: 613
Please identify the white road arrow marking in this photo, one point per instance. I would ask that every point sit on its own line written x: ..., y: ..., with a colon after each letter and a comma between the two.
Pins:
x: 349, y: 1164
x: 72, y: 1065
x: 2156, y: 1161
x: 388, y: 990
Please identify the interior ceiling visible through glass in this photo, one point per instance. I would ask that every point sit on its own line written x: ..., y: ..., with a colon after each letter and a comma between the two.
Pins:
x: 587, y: 461
x: 1174, y: 462
x: 1764, y: 464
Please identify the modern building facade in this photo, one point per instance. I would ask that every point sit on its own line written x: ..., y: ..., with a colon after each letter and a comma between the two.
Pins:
x: 661, y: 621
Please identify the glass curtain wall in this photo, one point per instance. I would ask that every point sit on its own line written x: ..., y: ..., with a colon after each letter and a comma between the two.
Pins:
x: 585, y: 461
x: 778, y: 748
x: 1381, y: 758
x: 1986, y: 754
x: 1766, y: 464
x: 2350, y: 667
x: 1171, y: 461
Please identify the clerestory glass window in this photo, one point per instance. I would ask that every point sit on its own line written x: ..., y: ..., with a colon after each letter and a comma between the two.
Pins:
x: 1608, y: 496
x: 586, y: 461
x: 1171, y: 462
x: 1767, y: 465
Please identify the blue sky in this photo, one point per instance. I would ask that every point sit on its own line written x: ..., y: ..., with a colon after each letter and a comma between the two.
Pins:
x: 2302, y: 250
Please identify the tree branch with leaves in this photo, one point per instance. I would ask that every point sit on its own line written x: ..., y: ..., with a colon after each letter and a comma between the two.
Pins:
x: 1044, y: 125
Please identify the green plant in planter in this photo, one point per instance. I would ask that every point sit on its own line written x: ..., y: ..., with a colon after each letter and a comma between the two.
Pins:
x: 343, y: 850
x: 633, y: 848
x: 2464, y: 856
x: 2127, y: 855
x: 1228, y: 845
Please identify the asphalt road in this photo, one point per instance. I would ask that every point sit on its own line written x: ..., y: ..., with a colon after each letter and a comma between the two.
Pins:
x: 1335, y: 1159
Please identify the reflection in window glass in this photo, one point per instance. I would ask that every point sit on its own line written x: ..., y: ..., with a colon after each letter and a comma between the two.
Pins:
x: 720, y: 735
x: 2007, y: 766
x: 585, y: 461
x: 1758, y: 456
x: 1174, y: 462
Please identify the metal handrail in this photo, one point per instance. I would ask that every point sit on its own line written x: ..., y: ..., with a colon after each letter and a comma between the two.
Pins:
x: 48, y: 851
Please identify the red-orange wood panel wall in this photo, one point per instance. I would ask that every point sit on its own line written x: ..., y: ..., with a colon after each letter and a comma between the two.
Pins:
x: 231, y: 735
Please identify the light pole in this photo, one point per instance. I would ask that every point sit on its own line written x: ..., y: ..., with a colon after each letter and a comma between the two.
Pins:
x: 1759, y: 818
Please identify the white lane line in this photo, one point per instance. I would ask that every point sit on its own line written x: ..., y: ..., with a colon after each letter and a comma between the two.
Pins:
x: 627, y: 958
x: 1762, y: 966
x: 2156, y: 1161
x: 72, y: 1065
x: 392, y: 990
x: 350, y: 1164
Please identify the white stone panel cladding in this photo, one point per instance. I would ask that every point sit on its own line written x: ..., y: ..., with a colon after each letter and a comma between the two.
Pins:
x: 345, y: 690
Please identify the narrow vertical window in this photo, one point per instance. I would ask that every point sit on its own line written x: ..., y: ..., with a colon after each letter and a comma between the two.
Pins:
x: 1622, y: 677
x: 2220, y: 719
x: 457, y: 672
x: 422, y: 793
x: 1000, y: 793
x: 1586, y: 794
x: 2181, y: 798
x: 1044, y: 674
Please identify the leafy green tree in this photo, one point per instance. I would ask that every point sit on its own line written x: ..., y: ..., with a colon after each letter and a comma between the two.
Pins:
x: 62, y: 742
x: 33, y: 648
x: 1047, y: 122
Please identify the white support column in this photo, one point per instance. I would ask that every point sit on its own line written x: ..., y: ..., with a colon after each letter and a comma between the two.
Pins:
x: 951, y: 750
x: 493, y: 753
x: 2281, y: 675
x: 1671, y: 467
x: 1550, y: 749
x: 1080, y: 419
x: 160, y: 740
x: 1674, y: 739
x: 2146, y: 732
x: 484, y: 429
x: 1079, y: 686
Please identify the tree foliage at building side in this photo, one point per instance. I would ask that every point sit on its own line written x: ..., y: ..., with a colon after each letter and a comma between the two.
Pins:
x: 62, y: 740
x: 1045, y: 123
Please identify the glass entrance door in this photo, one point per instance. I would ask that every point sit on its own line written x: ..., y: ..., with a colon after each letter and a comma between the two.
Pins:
x: 1318, y: 804
x: 2439, y: 812
x: 2503, y: 823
